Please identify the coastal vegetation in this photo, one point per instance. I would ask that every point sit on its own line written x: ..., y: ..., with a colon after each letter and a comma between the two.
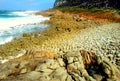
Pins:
x: 103, y: 13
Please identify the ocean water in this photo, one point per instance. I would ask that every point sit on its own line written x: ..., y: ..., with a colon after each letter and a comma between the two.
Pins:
x: 15, y: 23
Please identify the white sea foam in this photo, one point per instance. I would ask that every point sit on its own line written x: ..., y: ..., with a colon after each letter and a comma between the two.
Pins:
x: 27, y: 19
x: 8, y: 25
x: 25, y: 13
x: 6, y: 40
x: 12, y: 57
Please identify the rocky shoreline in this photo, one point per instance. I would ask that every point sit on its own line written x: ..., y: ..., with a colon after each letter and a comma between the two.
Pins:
x: 72, y: 66
x: 83, y: 49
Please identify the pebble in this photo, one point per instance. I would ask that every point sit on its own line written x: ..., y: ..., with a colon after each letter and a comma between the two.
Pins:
x: 100, y: 39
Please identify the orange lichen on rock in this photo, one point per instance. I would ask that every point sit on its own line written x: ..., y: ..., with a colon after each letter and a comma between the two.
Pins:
x: 111, y: 16
x: 88, y: 57
x: 44, y: 54
x: 36, y: 55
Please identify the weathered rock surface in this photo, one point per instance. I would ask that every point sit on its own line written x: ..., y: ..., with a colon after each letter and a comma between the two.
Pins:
x: 71, y: 66
x: 88, y: 3
x: 66, y: 58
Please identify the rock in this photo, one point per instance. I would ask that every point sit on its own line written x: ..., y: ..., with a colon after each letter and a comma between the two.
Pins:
x: 61, y: 62
x: 52, y: 64
x: 72, y: 66
x: 88, y: 57
x: 98, y: 77
x: 23, y: 64
x: 108, y: 69
x: 26, y: 35
x: 33, y: 75
x: 47, y: 68
x: 70, y: 59
x: 88, y: 4
x: 9, y: 70
x: 118, y: 55
x: 44, y: 78
x: 76, y: 68
x: 23, y: 70
x: 44, y: 70
x: 61, y: 74
x: 103, y: 47
x: 118, y: 61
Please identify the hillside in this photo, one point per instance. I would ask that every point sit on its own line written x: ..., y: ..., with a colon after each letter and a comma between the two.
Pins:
x: 88, y: 3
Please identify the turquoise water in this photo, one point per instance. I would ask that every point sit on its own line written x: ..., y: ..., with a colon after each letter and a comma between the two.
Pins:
x: 9, y: 14
x: 15, y: 23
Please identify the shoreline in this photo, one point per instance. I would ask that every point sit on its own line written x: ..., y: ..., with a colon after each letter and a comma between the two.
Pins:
x: 16, y: 23
x: 6, y: 52
x: 41, y: 38
x: 81, y: 45
x: 19, y: 30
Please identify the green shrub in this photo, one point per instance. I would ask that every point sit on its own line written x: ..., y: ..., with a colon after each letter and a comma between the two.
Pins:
x: 91, y: 10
